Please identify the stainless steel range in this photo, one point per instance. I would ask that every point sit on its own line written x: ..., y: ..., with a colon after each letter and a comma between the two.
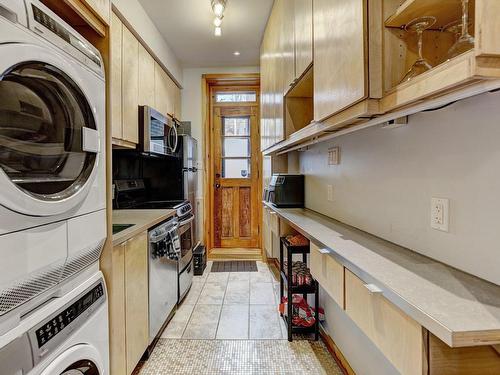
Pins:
x: 132, y: 194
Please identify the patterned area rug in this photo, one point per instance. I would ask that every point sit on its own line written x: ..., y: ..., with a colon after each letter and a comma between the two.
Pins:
x: 239, y: 357
x: 234, y: 266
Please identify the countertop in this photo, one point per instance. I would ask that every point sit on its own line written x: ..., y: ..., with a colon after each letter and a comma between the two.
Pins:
x: 142, y: 220
x: 460, y: 309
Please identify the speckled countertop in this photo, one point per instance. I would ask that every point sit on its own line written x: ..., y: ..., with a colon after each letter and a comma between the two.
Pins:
x: 141, y: 219
x: 460, y: 309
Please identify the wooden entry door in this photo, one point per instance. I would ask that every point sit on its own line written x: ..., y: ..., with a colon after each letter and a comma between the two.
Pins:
x: 236, y: 169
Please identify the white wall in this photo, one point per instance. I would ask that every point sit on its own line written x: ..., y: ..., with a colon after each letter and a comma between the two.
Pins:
x: 138, y: 19
x: 386, y: 179
x: 192, y: 111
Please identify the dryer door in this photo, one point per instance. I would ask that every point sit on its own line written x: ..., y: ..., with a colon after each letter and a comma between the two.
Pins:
x: 80, y: 359
x: 49, y: 139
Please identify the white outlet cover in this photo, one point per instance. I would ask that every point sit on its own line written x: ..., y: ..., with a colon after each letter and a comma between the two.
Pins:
x: 333, y: 156
x: 440, y: 214
x: 329, y: 189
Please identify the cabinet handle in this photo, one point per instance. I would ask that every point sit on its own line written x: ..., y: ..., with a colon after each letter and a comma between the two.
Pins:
x: 324, y: 251
x: 373, y: 289
x: 272, y: 212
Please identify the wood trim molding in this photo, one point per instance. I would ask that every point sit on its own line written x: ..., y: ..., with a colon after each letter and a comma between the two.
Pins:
x: 336, y: 353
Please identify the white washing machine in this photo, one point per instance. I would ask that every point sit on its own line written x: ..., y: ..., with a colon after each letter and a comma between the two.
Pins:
x: 52, y: 156
x: 68, y: 335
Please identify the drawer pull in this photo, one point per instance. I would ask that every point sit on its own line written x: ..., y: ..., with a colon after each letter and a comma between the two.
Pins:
x: 272, y: 212
x: 324, y: 251
x: 373, y: 289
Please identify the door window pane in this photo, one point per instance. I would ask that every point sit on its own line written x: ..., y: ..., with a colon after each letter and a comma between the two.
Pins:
x: 236, y: 147
x: 236, y: 97
x: 236, y: 126
x: 236, y: 168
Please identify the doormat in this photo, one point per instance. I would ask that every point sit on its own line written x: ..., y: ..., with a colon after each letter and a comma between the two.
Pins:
x: 234, y: 266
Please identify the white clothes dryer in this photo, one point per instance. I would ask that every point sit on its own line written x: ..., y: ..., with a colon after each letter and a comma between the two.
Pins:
x: 52, y: 155
x: 68, y: 335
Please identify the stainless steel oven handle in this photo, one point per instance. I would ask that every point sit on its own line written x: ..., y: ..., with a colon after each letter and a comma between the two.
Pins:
x: 187, y: 221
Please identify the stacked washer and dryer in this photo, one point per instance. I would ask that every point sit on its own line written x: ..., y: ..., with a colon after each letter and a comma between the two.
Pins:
x: 53, y: 302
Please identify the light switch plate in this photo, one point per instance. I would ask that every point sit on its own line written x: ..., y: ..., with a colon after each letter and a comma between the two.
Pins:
x: 440, y: 214
x: 333, y: 156
x: 329, y: 189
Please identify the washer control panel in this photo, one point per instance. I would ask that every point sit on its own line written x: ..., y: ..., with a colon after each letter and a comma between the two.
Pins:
x: 47, y: 335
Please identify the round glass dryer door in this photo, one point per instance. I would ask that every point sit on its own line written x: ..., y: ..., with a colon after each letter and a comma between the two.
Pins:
x: 84, y: 367
x: 45, y: 124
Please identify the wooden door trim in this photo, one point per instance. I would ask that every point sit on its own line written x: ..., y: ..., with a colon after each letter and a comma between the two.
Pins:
x: 252, y: 81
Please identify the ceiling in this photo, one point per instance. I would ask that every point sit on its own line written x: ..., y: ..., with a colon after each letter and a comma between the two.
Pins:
x: 187, y: 26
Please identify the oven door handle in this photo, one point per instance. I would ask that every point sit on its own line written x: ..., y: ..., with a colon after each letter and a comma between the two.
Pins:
x: 187, y: 221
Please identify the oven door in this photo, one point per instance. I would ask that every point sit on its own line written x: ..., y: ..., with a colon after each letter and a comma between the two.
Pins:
x: 187, y: 241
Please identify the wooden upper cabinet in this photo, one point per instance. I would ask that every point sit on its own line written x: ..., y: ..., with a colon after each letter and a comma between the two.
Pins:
x: 102, y: 8
x: 340, y: 61
x: 146, y: 78
x: 130, y: 87
x: 287, y: 43
x: 303, y: 21
x: 161, y: 90
x: 115, y: 76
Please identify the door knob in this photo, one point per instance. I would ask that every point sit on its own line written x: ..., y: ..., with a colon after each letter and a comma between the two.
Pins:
x: 217, y: 175
x: 217, y: 186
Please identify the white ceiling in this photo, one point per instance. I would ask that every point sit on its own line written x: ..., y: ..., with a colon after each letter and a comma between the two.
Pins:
x: 187, y: 26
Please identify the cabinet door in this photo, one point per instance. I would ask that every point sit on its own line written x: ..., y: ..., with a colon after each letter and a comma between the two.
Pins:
x: 147, y: 78
x: 339, y: 55
x: 130, y: 87
x: 114, y: 272
x: 161, y: 90
x: 171, y: 97
x: 102, y: 8
x: 287, y: 44
x: 398, y: 337
x: 115, y: 76
x: 177, y: 102
x: 303, y: 35
x: 136, y: 299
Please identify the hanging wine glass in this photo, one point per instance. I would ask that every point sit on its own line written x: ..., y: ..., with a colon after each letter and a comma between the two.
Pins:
x: 466, y: 41
x: 418, y: 26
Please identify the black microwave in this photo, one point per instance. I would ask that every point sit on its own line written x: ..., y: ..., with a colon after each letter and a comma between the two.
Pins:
x: 286, y: 190
x: 158, y: 133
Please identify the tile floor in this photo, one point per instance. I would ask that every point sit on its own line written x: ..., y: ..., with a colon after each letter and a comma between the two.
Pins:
x: 229, y: 324
x: 229, y: 305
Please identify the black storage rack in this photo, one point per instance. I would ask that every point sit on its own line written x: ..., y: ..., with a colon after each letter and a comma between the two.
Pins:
x: 304, y: 290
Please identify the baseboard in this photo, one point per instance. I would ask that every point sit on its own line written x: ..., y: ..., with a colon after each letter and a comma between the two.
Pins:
x: 336, y: 353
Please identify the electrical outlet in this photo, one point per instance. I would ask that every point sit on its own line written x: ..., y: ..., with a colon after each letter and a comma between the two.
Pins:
x: 329, y: 189
x: 440, y: 214
x: 333, y: 156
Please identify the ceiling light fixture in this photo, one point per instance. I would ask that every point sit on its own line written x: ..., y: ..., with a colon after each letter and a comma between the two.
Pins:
x: 218, y: 7
x: 236, y: 53
x: 217, y: 22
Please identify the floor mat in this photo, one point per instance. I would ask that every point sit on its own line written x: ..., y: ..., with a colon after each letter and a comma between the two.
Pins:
x: 234, y: 266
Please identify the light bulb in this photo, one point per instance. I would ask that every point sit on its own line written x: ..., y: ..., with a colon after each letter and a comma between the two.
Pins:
x: 218, y: 9
x: 217, y: 22
x: 218, y: 31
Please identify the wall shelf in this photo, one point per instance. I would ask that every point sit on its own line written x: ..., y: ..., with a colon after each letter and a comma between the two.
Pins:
x: 445, y: 11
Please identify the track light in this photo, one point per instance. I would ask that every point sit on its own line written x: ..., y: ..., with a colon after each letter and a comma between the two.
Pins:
x: 218, y: 7
x: 218, y: 31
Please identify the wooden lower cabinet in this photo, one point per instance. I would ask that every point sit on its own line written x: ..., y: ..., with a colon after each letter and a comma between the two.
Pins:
x: 136, y: 299
x: 329, y: 273
x: 125, y: 268
x: 266, y: 233
x: 398, y: 337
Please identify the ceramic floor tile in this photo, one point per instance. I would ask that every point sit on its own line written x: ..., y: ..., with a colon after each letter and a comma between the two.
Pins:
x: 264, y: 322
x: 178, y: 323
x: 239, y: 276
x: 203, y: 322
x: 193, y: 293
x: 212, y: 293
x: 237, y: 292
x: 233, y: 322
x: 218, y: 277
x: 262, y: 294
x: 261, y: 277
